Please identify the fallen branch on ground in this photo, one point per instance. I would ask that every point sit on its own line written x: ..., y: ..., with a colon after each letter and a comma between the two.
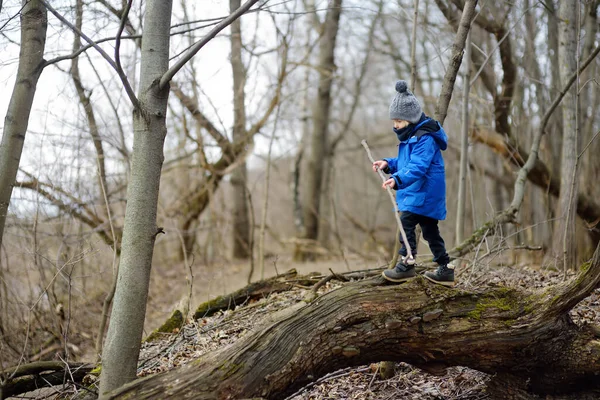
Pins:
x: 28, y: 377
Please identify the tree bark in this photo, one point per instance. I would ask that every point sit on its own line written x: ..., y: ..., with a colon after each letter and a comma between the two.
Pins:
x: 240, y: 218
x: 413, y: 47
x: 34, y: 22
x: 590, y: 163
x: 296, y: 172
x: 526, y: 337
x: 321, y: 111
x: 124, y: 336
x: 556, y: 124
x: 85, y: 101
x: 464, y: 147
x: 532, y: 67
x: 563, y: 239
x: 121, y: 350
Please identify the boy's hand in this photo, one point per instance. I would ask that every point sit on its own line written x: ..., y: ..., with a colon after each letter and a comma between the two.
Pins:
x: 390, y: 182
x: 380, y: 164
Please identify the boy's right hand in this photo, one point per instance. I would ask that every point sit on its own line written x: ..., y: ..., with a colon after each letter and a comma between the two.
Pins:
x: 380, y: 164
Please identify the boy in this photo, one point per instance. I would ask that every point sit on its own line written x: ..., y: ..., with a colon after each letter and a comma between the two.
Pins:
x: 418, y: 176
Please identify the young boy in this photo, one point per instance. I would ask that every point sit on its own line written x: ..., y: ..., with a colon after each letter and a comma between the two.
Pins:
x: 417, y: 174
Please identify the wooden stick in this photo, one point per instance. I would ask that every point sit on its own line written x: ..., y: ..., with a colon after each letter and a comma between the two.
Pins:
x: 393, y: 199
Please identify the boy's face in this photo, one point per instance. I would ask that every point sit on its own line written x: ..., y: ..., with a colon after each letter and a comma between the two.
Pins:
x: 399, y: 123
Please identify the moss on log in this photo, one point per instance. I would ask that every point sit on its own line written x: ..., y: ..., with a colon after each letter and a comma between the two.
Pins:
x: 253, y: 291
x: 171, y: 325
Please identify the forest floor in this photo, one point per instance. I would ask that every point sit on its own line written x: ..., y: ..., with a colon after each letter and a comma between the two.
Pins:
x: 208, y: 334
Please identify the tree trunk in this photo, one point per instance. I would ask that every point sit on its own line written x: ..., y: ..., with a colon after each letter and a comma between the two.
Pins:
x: 321, y: 111
x: 556, y: 124
x: 122, y: 347
x: 525, y: 338
x: 464, y: 146
x: 590, y: 164
x: 297, y: 167
x: 563, y: 240
x: 325, y: 227
x: 413, y: 47
x: 542, y: 233
x: 241, y: 223
x: 85, y: 100
x: 31, y: 56
x: 121, y: 350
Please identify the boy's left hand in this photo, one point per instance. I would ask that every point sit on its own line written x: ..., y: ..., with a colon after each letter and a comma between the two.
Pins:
x: 390, y: 182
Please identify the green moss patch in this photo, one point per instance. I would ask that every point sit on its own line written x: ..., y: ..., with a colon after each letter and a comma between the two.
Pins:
x: 502, y: 299
x: 210, y: 307
x: 171, y: 325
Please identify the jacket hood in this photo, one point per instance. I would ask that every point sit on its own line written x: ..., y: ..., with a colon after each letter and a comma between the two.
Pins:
x: 435, y: 130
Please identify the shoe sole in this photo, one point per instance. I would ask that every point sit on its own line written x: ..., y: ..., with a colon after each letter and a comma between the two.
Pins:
x: 443, y: 283
x: 397, y: 280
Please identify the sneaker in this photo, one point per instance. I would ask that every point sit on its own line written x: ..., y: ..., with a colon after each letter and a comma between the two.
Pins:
x: 444, y: 275
x: 400, y: 273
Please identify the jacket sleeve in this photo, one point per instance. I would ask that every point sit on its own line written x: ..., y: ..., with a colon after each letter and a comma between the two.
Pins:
x: 420, y: 160
x: 392, y: 165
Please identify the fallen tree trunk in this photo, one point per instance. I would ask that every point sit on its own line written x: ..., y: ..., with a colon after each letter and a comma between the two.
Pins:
x: 525, y: 339
x: 252, y: 291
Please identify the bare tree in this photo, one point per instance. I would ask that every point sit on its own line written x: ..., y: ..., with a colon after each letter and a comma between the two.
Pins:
x: 563, y: 240
x: 94, y: 130
x: 240, y: 217
x: 121, y: 351
x: 464, y: 145
x: 195, y: 200
x: 321, y: 113
x: 31, y: 57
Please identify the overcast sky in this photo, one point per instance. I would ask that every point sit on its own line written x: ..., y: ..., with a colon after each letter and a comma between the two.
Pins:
x: 56, y: 112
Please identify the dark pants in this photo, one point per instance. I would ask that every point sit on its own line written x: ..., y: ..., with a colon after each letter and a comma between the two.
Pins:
x: 431, y: 234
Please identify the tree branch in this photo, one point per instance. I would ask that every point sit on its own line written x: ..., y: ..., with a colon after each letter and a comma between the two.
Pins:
x: 128, y: 88
x: 587, y: 207
x: 166, y: 78
x: 510, y: 213
x: 95, y: 45
x: 283, y: 72
x: 91, y: 220
x: 358, y: 83
x: 498, y: 33
x: 84, y: 49
x: 569, y: 295
x: 28, y: 377
x: 458, y: 47
x: 192, y: 106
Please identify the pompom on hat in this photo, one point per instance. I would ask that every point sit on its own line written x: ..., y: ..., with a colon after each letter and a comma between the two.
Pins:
x: 405, y: 105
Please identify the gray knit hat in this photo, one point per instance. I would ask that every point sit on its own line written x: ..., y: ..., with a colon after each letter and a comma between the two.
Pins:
x: 405, y: 105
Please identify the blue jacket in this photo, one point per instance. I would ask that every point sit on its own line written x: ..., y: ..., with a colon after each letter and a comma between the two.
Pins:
x: 419, y: 170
